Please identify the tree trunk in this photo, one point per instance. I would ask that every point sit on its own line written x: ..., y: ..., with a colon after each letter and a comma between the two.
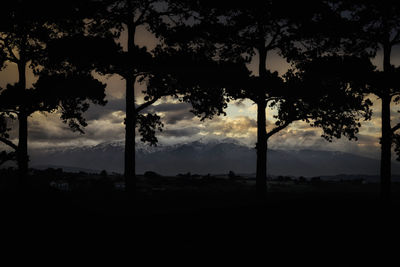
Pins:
x: 386, y: 141
x: 261, y: 172
x: 130, y: 120
x: 386, y: 144
x: 22, y: 152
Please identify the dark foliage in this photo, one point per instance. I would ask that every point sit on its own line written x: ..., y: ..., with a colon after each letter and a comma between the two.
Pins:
x: 376, y: 27
x: 26, y: 31
x: 237, y: 32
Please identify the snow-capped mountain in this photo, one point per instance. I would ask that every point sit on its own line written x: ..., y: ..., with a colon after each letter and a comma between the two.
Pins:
x: 208, y: 156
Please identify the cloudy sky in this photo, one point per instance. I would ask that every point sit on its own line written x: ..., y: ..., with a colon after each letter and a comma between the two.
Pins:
x: 105, y: 124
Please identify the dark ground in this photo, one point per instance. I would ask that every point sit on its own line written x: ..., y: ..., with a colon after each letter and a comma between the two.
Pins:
x: 205, y: 221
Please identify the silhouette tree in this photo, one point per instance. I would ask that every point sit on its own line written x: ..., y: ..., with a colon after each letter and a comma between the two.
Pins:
x: 242, y: 31
x: 167, y: 71
x: 376, y: 26
x: 107, y: 21
x: 26, y: 30
x: 326, y: 92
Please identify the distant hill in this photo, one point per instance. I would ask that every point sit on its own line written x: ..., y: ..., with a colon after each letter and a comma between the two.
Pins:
x: 202, y: 157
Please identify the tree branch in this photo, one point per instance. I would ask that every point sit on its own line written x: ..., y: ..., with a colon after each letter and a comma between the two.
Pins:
x: 139, y: 21
x: 395, y: 128
x: 271, y: 44
x: 272, y: 98
x: 12, y: 57
x: 9, y: 143
x: 147, y: 104
x: 395, y: 39
x: 277, y: 129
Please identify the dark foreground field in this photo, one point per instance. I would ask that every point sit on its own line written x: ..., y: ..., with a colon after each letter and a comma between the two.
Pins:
x: 174, y: 218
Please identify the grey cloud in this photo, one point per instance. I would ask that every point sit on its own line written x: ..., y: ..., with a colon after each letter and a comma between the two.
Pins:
x: 367, y: 139
x: 238, y: 126
x: 106, y: 131
x: 239, y: 103
x: 166, y: 107
x: 51, y: 129
x: 307, y: 134
x: 174, y: 112
x: 41, y: 133
x: 175, y: 117
x: 188, y: 131
x: 96, y: 112
x: 105, y: 123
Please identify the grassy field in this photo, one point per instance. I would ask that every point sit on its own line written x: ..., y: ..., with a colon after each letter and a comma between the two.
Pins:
x: 204, y: 216
x: 104, y: 194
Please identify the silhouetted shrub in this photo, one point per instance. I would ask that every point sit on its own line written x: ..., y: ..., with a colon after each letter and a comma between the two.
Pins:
x: 302, y: 179
x: 315, y: 180
x: 151, y: 174
x: 232, y: 175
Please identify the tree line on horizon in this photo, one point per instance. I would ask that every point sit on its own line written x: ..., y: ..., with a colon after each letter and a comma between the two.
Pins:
x: 200, y: 58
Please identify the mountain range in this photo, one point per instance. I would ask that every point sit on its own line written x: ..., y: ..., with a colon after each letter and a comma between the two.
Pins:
x: 203, y: 157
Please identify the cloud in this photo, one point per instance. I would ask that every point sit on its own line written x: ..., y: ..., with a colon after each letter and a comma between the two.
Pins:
x: 240, y: 103
x: 106, y: 129
x: 187, y: 132
x: 96, y: 112
x: 297, y: 138
x: 164, y: 107
x: 176, y: 116
x: 49, y: 130
x: 241, y: 126
x: 106, y: 124
x: 44, y: 127
x: 172, y: 113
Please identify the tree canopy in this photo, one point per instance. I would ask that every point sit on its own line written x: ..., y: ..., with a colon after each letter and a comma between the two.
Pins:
x: 27, y: 31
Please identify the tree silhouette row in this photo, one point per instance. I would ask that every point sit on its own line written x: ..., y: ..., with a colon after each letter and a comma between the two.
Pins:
x: 201, y: 58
